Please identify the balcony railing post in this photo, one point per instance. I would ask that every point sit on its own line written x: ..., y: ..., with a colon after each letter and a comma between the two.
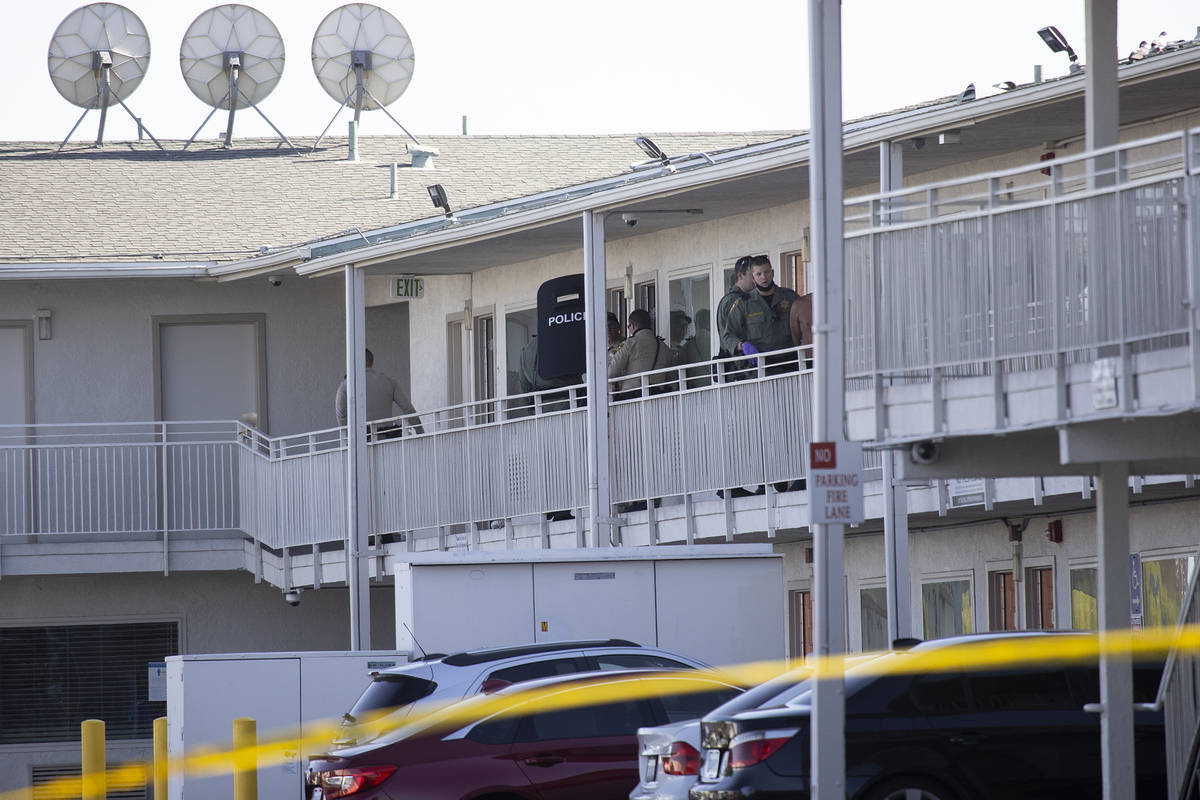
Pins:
x: 164, y: 500
x: 931, y: 263
x: 991, y: 328
x: 1191, y: 210
x: 1058, y: 284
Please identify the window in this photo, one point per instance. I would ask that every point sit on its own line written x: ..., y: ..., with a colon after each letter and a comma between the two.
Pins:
x: 1085, y: 608
x: 1164, y: 583
x: 586, y: 722
x: 939, y: 694
x: 636, y: 661
x: 645, y: 295
x: 795, y: 273
x: 539, y: 669
x: 693, y: 705
x: 1021, y: 690
x: 57, y: 676
x: 690, y: 330
x: 455, y: 376
x: 946, y: 608
x: 614, y: 302
x: 485, y: 357
x: 800, y: 631
x: 1039, y: 598
x: 519, y: 329
x: 872, y: 605
x: 495, y: 731
x: 1002, y: 602
x: 387, y: 692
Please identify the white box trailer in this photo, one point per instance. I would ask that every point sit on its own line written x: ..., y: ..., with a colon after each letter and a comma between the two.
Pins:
x: 722, y: 606
x: 280, y: 691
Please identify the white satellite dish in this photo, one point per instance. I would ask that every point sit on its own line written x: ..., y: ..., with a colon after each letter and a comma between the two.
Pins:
x: 97, y: 56
x: 361, y: 54
x: 231, y: 58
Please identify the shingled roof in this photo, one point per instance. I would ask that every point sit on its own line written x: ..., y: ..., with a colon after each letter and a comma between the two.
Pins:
x: 131, y: 202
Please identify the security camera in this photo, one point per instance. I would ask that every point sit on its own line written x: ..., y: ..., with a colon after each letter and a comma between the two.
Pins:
x: 630, y: 219
x: 925, y: 452
x: 918, y: 143
x: 292, y: 597
x: 275, y: 280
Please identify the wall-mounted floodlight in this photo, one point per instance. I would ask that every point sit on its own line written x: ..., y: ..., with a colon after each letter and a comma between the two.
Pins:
x: 438, y: 195
x: 1058, y: 44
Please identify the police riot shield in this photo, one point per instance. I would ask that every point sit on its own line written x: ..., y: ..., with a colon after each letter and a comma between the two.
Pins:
x: 561, y: 328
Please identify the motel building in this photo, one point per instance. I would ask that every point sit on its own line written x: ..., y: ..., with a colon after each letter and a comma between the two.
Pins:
x: 174, y: 328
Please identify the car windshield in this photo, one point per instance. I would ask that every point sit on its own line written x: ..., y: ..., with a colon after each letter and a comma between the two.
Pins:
x: 387, y: 692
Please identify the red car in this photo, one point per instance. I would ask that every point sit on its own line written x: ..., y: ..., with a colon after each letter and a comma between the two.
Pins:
x: 564, y: 738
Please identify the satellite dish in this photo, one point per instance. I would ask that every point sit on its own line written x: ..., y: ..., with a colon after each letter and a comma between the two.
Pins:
x: 231, y: 58
x: 361, y: 54
x: 97, y: 56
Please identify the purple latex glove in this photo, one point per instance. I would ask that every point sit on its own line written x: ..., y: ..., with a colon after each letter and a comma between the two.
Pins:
x: 750, y: 350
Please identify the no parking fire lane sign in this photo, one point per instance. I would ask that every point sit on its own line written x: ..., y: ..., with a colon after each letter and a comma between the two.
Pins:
x: 835, y: 492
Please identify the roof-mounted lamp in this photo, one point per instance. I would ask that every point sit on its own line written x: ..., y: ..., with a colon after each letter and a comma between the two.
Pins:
x: 437, y: 194
x: 1058, y: 44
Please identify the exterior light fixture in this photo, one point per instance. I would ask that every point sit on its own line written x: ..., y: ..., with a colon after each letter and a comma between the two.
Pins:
x: 1058, y: 44
x: 654, y: 152
x: 44, y: 324
x: 438, y: 195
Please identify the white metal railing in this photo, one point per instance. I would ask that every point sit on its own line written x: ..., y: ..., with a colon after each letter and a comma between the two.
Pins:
x: 1179, y: 697
x: 683, y: 430
x: 1026, y: 268
x: 136, y: 477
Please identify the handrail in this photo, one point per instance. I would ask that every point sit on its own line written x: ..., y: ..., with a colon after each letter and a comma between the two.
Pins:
x: 1020, y: 170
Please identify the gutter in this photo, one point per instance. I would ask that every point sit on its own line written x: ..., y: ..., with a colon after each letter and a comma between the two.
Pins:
x: 129, y: 269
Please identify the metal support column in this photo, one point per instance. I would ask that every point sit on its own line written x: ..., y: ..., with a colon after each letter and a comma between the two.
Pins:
x: 594, y: 274
x: 1116, y: 676
x: 1101, y: 120
x: 358, y: 576
x: 895, y: 502
x: 828, y: 753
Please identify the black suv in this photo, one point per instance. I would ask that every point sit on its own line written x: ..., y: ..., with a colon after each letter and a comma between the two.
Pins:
x: 969, y: 735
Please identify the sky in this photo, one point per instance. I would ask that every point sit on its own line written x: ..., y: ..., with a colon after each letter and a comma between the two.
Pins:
x: 563, y: 67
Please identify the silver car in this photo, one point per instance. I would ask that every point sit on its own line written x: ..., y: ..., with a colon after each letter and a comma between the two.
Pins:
x: 395, y: 693
x: 668, y: 761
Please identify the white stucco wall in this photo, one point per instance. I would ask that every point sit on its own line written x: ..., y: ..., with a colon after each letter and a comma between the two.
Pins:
x: 99, y: 365
x: 1157, y: 530
x: 217, y: 613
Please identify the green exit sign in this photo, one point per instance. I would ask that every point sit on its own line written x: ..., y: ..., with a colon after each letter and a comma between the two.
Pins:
x: 406, y: 287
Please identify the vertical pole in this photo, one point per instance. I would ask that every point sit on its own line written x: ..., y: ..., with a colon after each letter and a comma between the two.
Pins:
x: 825, y: 197
x: 1116, y: 676
x: 594, y: 273
x: 160, y: 758
x: 895, y: 503
x: 94, y: 778
x: 357, y: 529
x: 245, y: 761
x: 233, y: 95
x: 1100, y: 86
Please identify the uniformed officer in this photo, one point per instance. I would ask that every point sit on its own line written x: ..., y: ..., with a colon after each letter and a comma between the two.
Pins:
x: 739, y: 292
x: 764, y: 319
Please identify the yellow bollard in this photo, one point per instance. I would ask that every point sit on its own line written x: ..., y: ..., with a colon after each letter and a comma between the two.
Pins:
x: 160, y: 759
x: 245, y: 763
x: 95, y: 783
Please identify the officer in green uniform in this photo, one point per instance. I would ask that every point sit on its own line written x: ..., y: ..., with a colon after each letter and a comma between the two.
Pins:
x: 763, y: 318
x: 738, y: 293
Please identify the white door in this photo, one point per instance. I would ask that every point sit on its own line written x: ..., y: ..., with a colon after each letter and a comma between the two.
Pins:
x: 14, y: 375
x: 15, y: 409
x: 209, y: 371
